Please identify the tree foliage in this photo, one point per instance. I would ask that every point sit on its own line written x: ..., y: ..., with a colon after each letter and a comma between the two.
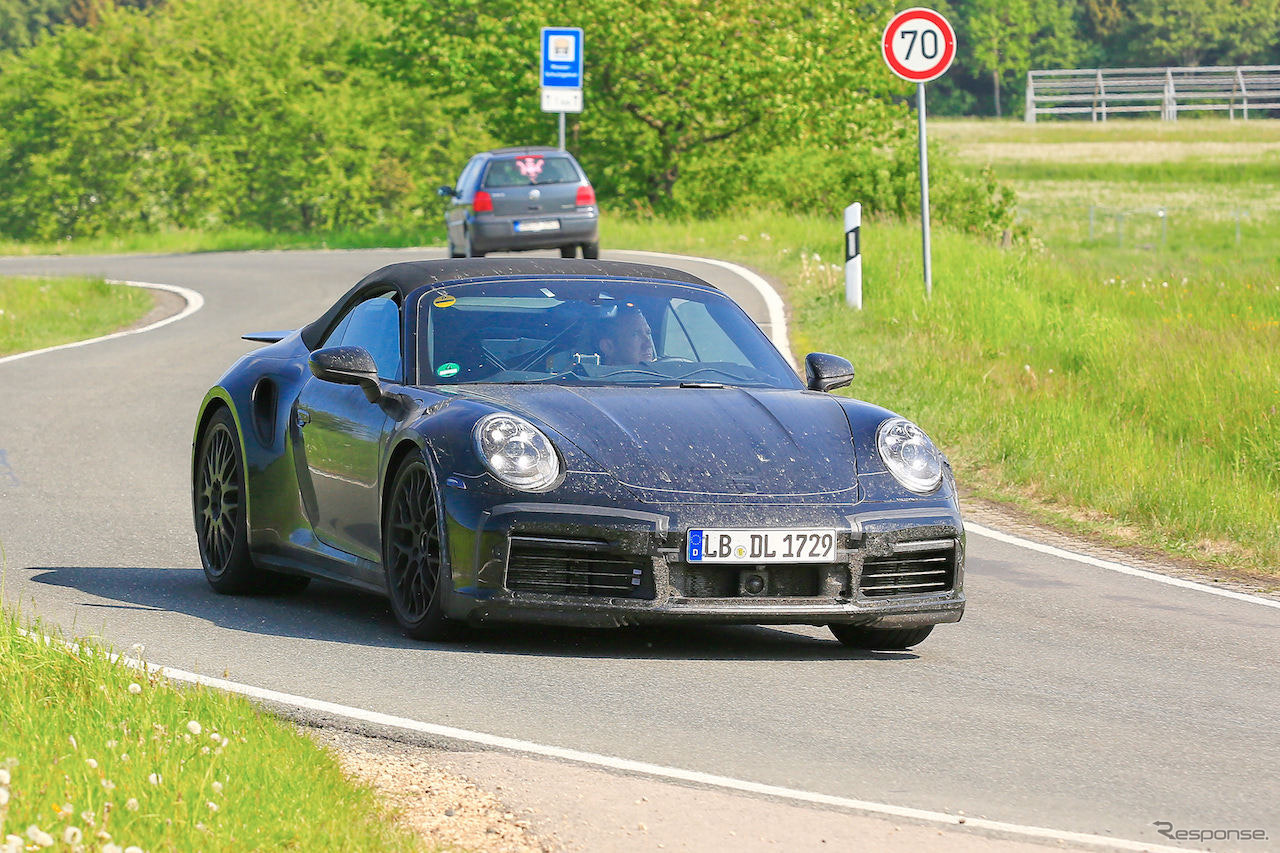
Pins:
x: 211, y: 112
x: 679, y: 95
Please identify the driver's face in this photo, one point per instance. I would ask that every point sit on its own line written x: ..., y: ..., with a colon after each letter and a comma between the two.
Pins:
x: 633, y: 342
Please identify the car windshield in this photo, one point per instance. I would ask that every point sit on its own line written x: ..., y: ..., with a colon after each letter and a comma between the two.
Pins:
x: 530, y: 169
x: 591, y: 332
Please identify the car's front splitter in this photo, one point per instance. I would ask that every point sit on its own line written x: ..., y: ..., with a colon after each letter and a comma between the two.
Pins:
x: 607, y: 566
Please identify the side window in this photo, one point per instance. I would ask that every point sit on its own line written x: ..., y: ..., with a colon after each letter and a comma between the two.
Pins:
x: 708, y: 340
x: 375, y: 325
x: 675, y: 340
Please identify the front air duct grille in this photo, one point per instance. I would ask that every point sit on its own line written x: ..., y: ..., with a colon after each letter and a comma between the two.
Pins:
x: 914, y: 568
x: 578, y: 567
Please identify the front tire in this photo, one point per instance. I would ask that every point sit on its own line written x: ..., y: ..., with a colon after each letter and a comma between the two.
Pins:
x: 885, y: 639
x: 412, y: 554
x: 222, y: 523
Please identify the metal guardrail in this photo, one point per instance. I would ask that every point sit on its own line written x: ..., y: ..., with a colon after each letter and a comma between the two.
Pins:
x: 1100, y: 92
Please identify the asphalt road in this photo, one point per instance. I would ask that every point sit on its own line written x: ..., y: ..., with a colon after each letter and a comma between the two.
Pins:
x: 1070, y: 697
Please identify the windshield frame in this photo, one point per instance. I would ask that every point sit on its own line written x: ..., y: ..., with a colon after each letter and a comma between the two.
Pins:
x: 775, y: 371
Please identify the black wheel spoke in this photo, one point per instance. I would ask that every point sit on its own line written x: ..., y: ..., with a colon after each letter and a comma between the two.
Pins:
x: 413, y: 544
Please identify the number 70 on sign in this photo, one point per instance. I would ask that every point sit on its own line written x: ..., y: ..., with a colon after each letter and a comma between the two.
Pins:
x: 919, y: 45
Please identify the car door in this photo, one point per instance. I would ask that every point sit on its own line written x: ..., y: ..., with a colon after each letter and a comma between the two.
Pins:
x: 343, y: 433
x: 455, y: 216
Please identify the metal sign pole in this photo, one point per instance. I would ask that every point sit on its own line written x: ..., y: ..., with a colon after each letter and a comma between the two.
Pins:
x: 562, y: 132
x: 924, y: 193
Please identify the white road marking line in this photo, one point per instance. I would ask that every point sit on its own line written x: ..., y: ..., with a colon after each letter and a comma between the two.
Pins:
x: 194, y: 303
x: 625, y: 764
x: 778, y: 325
x: 1115, y: 567
x: 772, y: 301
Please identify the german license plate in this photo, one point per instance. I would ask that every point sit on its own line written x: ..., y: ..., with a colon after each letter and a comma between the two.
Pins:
x: 525, y: 226
x: 762, y: 546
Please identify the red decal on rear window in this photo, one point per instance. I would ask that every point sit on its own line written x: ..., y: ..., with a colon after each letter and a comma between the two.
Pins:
x: 530, y: 167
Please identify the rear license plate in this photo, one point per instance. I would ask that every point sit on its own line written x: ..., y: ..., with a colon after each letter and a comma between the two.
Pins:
x: 761, y: 546
x: 527, y: 226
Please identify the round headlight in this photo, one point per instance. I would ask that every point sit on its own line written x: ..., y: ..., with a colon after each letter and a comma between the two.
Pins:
x: 516, y: 452
x: 909, y: 454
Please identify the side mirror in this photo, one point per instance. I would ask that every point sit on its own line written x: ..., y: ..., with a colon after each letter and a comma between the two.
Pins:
x: 347, y: 366
x: 447, y: 192
x: 826, y: 372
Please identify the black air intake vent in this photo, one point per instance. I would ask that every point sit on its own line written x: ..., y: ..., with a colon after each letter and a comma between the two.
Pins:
x: 576, y: 567
x: 914, y: 568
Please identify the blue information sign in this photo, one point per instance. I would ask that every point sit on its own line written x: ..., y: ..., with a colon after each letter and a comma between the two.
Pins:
x: 562, y: 57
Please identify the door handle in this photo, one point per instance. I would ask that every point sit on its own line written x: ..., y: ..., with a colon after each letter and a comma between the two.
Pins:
x: 302, y: 418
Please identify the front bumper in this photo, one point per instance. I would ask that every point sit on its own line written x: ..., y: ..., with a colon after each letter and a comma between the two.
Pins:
x: 507, y: 565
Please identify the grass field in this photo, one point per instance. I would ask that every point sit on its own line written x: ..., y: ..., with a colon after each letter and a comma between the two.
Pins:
x: 1129, y: 395
x: 41, y: 312
x: 95, y: 753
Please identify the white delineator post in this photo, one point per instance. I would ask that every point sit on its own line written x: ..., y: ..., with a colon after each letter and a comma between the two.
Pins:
x: 853, y: 255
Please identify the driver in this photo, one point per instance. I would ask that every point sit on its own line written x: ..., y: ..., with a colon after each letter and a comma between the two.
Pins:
x: 625, y: 338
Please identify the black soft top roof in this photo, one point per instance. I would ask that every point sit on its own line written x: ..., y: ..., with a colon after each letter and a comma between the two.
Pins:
x: 406, y: 277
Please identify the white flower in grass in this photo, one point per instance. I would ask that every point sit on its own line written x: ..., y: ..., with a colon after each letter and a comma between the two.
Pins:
x: 135, y: 688
x: 72, y: 738
x: 111, y: 848
x: 108, y: 784
x: 13, y: 844
x: 204, y: 750
x: 133, y: 849
x: 4, y: 797
x: 39, y: 837
x: 194, y: 727
x: 217, y: 787
x: 72, y: 835
x: 131, y: 804
x: 124, y: 756
x: 213, y: 807
x: 111, y: 744
x: 66, y: 811
x: 4, y: 776
x: 225, y: 741
x: 215, y: 737
x: 92, y: 762
x: 89, y: 818
x: 155, y: 778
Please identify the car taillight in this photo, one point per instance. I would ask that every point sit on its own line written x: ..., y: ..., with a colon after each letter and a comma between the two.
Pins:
x: 586, y: 196
x: 483, y: 202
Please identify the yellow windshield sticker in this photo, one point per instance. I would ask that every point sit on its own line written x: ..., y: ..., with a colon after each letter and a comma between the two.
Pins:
x: 444, y: 300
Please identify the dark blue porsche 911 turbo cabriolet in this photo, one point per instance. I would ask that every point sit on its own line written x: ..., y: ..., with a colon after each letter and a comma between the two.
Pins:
x: 580, y: 442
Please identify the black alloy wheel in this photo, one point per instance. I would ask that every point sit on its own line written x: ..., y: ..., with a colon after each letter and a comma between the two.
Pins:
x: 885, y: 639
x: 221, y: 519
x: 413, y: 552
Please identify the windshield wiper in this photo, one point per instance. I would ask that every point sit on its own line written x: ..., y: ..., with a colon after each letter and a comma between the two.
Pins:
x: 702, y: 385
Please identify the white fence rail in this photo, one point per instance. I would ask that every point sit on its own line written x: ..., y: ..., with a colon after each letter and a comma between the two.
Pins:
x: 1100, y: 92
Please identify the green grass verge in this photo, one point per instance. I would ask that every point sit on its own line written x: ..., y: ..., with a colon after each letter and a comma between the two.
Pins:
x: 95, y: 753
x: 1135, y: 397
x: 235, y: 240
x: 42, y: 312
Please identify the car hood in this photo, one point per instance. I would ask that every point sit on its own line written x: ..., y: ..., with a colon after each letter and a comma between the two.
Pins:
x: 681, y: 444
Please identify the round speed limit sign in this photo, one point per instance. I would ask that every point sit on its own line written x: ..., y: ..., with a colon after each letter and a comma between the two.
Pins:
x: 919, y: 45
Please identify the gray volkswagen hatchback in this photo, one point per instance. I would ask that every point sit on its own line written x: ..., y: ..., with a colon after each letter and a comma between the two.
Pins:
x: 514, y: 199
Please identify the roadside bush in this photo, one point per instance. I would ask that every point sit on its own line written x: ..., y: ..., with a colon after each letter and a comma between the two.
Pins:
x: 212, y: 113
x: 823, y: 180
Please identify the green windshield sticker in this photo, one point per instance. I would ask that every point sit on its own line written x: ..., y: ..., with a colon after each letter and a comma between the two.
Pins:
x: 448, y: 369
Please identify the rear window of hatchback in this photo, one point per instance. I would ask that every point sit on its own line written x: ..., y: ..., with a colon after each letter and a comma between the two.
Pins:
x: 530, y: 170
